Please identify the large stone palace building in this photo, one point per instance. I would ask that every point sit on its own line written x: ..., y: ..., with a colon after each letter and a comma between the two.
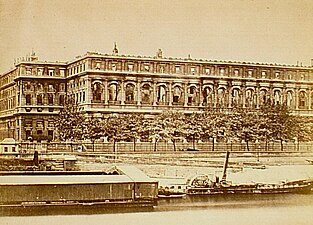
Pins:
x: 32, y: 93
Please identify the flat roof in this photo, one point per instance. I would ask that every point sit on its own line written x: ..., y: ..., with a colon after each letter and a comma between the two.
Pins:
x: 62, y: 179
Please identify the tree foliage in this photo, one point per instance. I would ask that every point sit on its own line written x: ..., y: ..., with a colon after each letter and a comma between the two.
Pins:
x: 270, y: 123
x: 70, y: 121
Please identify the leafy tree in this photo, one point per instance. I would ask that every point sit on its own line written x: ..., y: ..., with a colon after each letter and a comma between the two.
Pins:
x: 153, y: 128
x: 245, y: 126
x: 133, y: 127
x: 303, y: 129
x: 92, y: 130
x: 193, y: 127
x: 214, y: 125
x: 170, y: 124
x: 69, y: 121
x: 114, y: 128
x: 280, y: 122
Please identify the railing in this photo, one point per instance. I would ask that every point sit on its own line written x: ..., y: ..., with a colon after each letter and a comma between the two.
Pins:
x: 107, y: 147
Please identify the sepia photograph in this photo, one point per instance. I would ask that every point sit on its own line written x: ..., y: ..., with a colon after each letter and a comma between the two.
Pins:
x: 155, y: 112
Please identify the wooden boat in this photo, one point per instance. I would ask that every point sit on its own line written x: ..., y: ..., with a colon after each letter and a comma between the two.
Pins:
x: 123, y: 187
x: 203, y: 185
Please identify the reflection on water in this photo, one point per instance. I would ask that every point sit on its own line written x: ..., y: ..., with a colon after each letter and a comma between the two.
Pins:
x: 240, y: 209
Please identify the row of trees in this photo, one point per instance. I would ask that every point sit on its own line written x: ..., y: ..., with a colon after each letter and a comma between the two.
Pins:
x: 270, y: 123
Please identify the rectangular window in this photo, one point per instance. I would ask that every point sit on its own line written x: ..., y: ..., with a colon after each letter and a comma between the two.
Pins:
x: 62, y: 73
x: 114, y: 67
x: 28, y: 134
x: 277, y: 75
x: 147, y: 68
x: 177, y: 69
x: 98, y: 66
x: 61, y: 100
x: 50, y: 99
x: 51, y: 72
x: 5, y: 149
x: 222, y: 71
x: 193, y: 70
x: 39, y: 99
x: 39, y: 71
x: 130, y: 67
x: 28, y: 99
x: 50, y: 135
x: 13, y: 149
x: 263, y: 74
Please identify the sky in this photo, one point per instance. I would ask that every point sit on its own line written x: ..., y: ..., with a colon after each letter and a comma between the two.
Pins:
x: 264, y: 31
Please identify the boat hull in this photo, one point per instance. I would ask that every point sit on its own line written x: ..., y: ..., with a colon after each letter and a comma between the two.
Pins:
x: 75, y: 208
x: 300, y: 187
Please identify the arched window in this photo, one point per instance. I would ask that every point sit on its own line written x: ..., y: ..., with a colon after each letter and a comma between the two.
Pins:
x: 290, y: 99
x: 39, y: 99
x: 161, y: 95
x: 236, y: 97
x: 208, y: 96
x: 177, y: 94
x: 129, y: 92
x: 302, y: 100
x: 263, y: 99
x: 97, y: 92
x: 146, y: 93
x: 192, y: 95
x: 113, y: 92
x: 277, y: 97
x: 28, y: 99
x: 221, y: 97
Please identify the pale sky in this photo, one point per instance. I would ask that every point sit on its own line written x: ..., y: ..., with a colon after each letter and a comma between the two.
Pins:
x: 268, y: 31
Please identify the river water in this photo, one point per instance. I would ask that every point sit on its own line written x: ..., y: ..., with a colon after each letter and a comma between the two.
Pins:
x: 284, y: 209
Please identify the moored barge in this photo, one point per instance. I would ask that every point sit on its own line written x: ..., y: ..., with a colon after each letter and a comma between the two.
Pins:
x: 120, y: 187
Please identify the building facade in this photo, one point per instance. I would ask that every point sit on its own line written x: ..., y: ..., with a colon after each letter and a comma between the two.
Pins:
x: 32, y: 93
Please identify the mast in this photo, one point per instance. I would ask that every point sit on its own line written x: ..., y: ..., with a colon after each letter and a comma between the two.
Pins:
x: 225, y: 167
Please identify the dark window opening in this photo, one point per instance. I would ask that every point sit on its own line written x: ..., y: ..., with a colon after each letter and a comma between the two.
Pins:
x: 39, y: 100
x: 28, y: 99
x: 50, y: 99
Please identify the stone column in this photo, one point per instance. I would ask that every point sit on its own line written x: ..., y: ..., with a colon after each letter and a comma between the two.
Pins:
x: 139, y: 66
x: 296, y: 102
x: 185, y: 94
x: 230, y: 97
x: 89, y: 91
x: 22, y: 99
x: 138, y: 93
x: 106, y: 92
x: 155, y: 67
x: 154, y: 94
x: 122, y: 93
x: 200, y: 95
x: 258, y: 97
x: 244, y: 96
x: 284, y: 95
x: 215, y: 94
x: 310, y: 99
x: 170, y: 97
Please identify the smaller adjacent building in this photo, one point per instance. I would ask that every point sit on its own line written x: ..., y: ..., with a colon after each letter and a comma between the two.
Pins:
x: 9, y: 146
